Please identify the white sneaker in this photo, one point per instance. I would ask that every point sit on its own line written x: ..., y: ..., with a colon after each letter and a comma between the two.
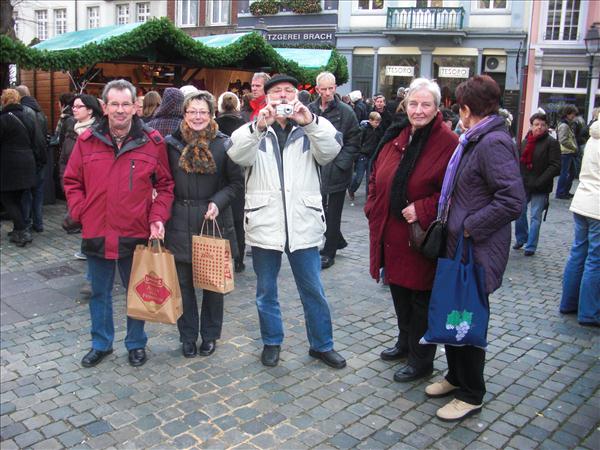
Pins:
x: 457, y: 410
x: 80, y: 255
x: 440, y: 389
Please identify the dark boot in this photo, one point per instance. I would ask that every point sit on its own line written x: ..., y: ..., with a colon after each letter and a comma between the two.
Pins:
x: 19, y: 238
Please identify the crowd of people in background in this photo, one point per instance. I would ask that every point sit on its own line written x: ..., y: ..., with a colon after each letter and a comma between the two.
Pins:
x: 158, y: 165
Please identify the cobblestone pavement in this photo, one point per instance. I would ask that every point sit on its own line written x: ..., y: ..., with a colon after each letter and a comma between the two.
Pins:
x: 542, y: 371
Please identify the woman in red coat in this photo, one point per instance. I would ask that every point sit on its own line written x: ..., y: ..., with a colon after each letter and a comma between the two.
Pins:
x: 404, y: 187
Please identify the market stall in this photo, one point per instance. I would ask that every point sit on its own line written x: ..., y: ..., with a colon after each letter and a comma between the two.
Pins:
x: 155, y: 55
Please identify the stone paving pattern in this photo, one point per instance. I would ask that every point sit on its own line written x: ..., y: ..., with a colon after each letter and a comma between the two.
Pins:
x: 542, y: 371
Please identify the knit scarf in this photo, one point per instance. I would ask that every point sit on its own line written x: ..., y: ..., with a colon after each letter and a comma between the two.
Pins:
x: 257, y: 104
x: 196, y: 156
x: 527, y: 156
x: 452, y: 169
x: 80, y: 127
x: 398, y: 200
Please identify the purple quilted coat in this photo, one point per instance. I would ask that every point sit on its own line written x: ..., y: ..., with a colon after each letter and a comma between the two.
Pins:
x: 488, y: 196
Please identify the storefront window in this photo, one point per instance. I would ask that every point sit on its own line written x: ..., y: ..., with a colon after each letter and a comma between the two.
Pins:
x: 396, y: 71
x: 362, y: 74
x: 552, y: 103
x: 449, y: 72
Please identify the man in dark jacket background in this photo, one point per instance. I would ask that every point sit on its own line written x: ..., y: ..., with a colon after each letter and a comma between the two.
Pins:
x: 113, y: 170
x: 33, y: 198
x: 337, y: 175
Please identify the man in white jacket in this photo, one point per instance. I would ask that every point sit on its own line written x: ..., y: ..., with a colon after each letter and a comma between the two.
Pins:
x: 282, y: 150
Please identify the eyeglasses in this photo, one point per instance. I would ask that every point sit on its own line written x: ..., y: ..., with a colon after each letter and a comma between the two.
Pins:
x: 116, y: 106
x: 288, y: 90
x: 78, y: 106
x: 194, y: 113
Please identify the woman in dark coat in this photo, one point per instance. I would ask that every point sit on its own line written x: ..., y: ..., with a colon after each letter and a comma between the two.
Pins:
x: 540, y: 163
x: 229, y: 120
x: 487, y: 197
x: 404, y: 188
x: 17, y: 163
x: 206, y: 181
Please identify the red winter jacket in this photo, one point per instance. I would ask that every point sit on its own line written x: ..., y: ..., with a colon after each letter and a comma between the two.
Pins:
x: 388, y: 235
x: 110, y: 191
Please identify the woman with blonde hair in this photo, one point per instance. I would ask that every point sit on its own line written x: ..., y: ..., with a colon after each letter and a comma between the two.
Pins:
x: 17, y: 161
x: 206, y: 181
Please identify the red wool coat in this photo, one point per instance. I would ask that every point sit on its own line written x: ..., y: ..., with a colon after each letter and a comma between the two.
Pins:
x: 388, y: 235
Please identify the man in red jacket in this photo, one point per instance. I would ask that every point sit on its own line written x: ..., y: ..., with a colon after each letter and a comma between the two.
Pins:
x: 108, y: 183
x: 258, y: 101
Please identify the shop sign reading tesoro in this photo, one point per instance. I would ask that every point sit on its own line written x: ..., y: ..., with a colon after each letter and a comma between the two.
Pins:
x: 453, y: 72
x: 399, y: 71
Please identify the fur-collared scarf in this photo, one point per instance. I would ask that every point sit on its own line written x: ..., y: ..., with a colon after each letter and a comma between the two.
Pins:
x: 196, y: 156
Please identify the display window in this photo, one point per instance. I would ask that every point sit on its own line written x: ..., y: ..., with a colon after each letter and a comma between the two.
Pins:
x: 396, y: 71
x: 449, y: 72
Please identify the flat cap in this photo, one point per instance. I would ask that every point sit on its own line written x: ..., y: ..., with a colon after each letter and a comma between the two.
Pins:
x: 280, y: 78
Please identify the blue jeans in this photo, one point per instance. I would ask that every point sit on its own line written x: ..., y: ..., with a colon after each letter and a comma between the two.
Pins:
x: 567, y: 173
x: 33, y: 201
x: 360, y: 168
x: 306, y: 267
x: 528, y: 234
x: 581, y: 279
x: 102, y: 272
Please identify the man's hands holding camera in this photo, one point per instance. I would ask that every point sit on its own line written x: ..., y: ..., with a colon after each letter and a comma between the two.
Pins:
x: 276, y: 110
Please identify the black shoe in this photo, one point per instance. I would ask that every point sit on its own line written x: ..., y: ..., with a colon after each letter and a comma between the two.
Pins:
x: 342, y: 245
x: 565, y: 197
x: 351, y: 195
x: 331, y: 358
x: 589, y: 324
x: 517, y: 246
x: 529, y: 253
x: 20, y: 238
x: 207, y: 347
x: 38, y: 229
x: 137, y: 357
x: 409, y: 373
x: 189, y: 349
x: 327, y: 262
x: 270, y: 355
x: 570, y: 311
x: 239, y: 267
x: 393, y: 353
x: 95, y: 357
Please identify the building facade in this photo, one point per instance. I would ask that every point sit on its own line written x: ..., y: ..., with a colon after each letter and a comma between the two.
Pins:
x: 389, y: 42
x: 557, y: 65
x: 44, y: 19
x: 203, y: 17
x: 314, y: 26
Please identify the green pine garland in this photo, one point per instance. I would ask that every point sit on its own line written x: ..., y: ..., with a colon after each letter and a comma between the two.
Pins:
x: 249, y: 51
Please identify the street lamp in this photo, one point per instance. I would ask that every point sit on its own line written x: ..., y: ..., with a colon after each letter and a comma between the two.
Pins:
x: 592, y: 48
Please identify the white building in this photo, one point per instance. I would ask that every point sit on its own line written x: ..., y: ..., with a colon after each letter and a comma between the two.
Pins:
x: 43, y: 19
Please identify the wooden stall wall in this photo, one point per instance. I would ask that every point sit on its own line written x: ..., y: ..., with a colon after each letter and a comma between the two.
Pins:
x: 46, y: 87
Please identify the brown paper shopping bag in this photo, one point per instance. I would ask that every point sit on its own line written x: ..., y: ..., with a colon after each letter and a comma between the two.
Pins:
x: 211, y: 262
x: 154, y: 293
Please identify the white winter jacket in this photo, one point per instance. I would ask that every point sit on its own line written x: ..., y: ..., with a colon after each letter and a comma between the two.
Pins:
x: 587, y: 196
x: 283, y: 192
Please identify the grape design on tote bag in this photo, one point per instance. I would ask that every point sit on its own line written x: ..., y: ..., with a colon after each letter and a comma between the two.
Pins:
x: 459, y: 321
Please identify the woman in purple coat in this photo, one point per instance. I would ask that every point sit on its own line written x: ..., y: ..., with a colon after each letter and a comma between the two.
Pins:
x: 487, y: 197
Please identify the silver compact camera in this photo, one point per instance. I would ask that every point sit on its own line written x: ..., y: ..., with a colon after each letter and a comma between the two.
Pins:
x: 284, y: 109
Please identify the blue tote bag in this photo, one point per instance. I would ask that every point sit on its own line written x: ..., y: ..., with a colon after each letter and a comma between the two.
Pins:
x: 458, y: 308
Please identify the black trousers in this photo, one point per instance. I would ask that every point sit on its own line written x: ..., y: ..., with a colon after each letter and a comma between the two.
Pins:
x: 211, y: 313
x: 12, y: 204
x: 237, y: 208
x: 465, y: 370
x: 333, y: 204
x: 411, y: 310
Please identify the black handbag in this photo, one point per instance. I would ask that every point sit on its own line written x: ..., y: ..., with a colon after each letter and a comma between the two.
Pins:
x: 431, y: 242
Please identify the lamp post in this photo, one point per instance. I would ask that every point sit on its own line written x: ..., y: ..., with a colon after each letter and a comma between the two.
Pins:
x: 592, y: 48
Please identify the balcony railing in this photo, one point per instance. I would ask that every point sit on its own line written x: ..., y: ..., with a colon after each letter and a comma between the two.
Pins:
x: 425, y: 18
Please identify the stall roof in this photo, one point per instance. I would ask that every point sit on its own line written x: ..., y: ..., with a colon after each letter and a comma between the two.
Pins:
x: 77, y: 39
x: 158, y: 40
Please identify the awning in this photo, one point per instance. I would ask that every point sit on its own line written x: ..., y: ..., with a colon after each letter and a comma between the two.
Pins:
x: 220, y: 40
x: 308, y: 58
x: 77, y: 39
